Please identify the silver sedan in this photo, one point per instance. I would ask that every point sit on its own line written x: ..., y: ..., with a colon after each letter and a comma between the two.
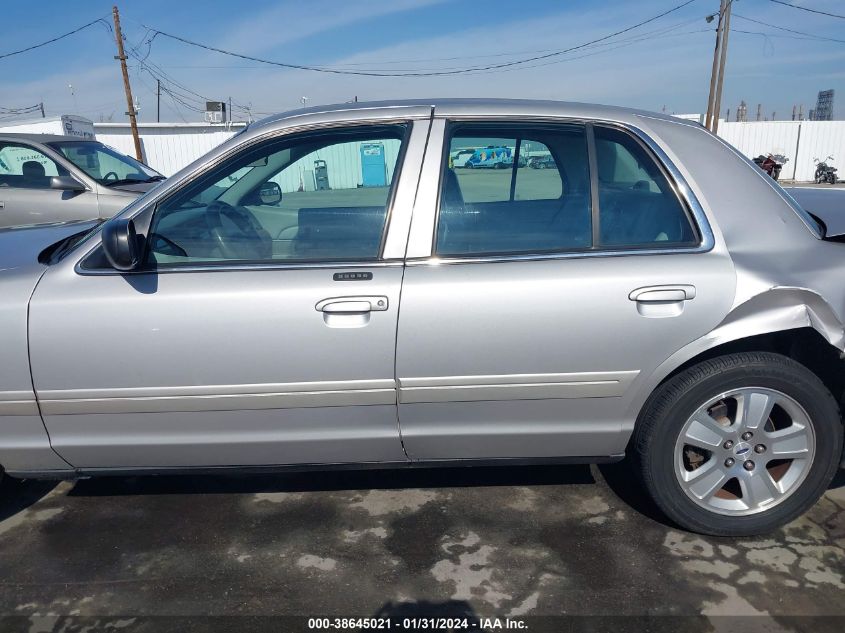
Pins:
x: 327, y: 289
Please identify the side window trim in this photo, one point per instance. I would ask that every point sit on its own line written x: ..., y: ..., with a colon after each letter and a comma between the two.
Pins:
x: 595, y: 207
x: 677, y: 182
x: 146, y: 216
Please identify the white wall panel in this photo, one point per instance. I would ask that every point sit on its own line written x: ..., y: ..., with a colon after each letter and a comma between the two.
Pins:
x: 820, y: 139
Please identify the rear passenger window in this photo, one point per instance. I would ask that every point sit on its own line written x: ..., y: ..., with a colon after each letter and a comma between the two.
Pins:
x: 25, y: 167
x: 514, y: 190
x: 637, y: 205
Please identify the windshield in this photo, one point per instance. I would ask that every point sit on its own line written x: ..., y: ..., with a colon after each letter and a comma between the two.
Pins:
x: 104, y: 164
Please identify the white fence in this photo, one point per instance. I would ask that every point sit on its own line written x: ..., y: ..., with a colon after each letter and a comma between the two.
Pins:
x: 169, y: 147
x: 800, y: 141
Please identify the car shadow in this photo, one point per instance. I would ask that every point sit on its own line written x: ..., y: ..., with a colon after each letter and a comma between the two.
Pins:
x: 460, y: 611
x: 17, y: 495
x: 336, y: 480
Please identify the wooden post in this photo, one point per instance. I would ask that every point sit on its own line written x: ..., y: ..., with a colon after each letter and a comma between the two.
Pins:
x: 128, y: 89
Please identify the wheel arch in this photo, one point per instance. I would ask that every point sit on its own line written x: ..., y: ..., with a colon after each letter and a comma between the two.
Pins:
x: 795, y: 322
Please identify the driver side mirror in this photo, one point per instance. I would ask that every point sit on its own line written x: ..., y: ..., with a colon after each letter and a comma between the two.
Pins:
x: 120, y: 244
x: 66, y: 183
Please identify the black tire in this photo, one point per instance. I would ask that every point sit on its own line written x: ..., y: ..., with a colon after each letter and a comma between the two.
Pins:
x: 664, y: 415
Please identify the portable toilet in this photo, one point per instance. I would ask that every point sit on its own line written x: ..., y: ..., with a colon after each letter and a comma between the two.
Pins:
x: 373, y: 165
x: 321, y: 175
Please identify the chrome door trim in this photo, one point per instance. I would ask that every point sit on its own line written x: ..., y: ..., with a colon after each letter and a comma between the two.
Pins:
x: 515, y: 387
x: 204, y: 268
x: 17, y: 403
x: 422, y: 238
x: 218, y: 397
x: 405, y: 191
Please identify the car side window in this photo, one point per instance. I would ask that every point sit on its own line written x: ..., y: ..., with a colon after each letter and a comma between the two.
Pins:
x: 316, y: 197
x: 517, y: 189
x: 637, y: 205
x: 24, y: 167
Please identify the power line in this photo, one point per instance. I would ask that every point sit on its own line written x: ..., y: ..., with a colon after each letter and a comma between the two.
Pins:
x: 783, y: 28
x: 665, y: 31
x: 370, y: 73
x: 795, y: 6
x: 57, y: 38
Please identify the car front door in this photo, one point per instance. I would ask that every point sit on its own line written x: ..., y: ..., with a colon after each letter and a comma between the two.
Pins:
x: 26, y: 196
x: 261, y: 327
x: 535, y: 301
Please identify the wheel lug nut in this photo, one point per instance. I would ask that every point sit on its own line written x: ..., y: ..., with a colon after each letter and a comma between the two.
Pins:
x: 729, y: 462
x: 748, y: 465
x: 728, y: 444
x: 747, y: 435
x: 760, y: 448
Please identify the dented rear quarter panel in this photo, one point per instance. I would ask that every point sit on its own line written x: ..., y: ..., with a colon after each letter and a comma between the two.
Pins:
x: 786, y: 277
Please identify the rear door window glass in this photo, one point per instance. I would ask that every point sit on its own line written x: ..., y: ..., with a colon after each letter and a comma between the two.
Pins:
x: 638, y: 207
x: 523, y: 189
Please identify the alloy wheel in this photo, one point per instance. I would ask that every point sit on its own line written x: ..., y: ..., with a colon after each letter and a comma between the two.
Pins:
x: 744, y: 451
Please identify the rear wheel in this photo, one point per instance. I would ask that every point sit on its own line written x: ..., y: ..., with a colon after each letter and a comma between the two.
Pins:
x: 739, y: 445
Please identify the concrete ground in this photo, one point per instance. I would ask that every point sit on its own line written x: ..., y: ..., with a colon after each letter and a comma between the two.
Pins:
x: 486, y: 541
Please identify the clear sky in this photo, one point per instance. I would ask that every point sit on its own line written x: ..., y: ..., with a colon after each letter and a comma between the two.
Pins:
x: 663, y: 64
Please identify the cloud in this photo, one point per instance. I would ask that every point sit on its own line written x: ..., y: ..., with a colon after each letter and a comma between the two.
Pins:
x: 293, y: 22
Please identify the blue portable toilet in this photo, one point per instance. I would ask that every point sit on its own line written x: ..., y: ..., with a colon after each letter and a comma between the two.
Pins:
x: 373, y: 165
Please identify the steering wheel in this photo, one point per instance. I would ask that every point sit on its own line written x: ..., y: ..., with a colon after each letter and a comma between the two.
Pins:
x: 250, y: 242
x: 111, y: 173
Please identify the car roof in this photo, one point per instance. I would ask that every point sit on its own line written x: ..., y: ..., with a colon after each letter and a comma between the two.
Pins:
x: 499, y: 107
x: 41, y: 138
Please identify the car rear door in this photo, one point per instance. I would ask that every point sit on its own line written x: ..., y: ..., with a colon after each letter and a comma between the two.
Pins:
x: 261, y: 333
x: 536, y: 302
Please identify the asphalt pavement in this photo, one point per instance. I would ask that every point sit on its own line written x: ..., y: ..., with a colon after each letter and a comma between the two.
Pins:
x: 530, y: 541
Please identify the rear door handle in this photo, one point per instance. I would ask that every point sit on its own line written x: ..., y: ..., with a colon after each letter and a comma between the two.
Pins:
x: 662, y: 294
x: 352, y: 305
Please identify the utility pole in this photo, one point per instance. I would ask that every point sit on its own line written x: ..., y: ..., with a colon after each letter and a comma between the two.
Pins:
x: 41, y: 105
x: 158, y: 100
x: 128, y: 89
x: 714, y: 71
x: 726, y: 30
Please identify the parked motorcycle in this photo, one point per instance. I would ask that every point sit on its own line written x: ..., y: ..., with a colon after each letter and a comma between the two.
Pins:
x: 824, y: 171
x: 772, y: 164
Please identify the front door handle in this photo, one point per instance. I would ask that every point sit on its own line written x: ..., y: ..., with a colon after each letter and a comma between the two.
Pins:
x: 352, y: 305
x: 350, y: 312
x: 662, y: 294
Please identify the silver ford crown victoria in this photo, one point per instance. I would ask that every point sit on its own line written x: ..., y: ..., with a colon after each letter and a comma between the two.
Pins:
x: 326, y: 288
